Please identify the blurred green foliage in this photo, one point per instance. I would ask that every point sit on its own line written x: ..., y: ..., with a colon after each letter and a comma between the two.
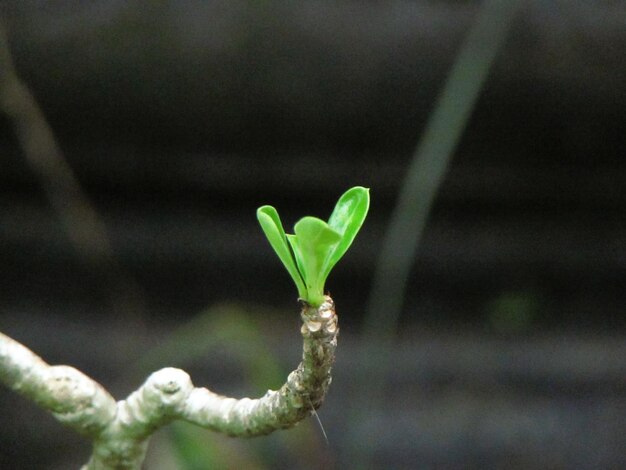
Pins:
x: 513, y: 312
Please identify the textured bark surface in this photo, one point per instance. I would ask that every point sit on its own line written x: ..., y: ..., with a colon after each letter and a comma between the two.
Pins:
x: 303, y: 392
x: 120, y: 431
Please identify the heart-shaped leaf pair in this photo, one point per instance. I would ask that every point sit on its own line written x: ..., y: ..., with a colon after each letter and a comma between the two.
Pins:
x: 311, y: 253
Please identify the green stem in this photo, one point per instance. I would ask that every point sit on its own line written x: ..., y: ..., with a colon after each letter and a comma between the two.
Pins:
x: 423, y: 179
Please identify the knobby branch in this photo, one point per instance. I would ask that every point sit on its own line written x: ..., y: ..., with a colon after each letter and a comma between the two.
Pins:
x: 120, y: 430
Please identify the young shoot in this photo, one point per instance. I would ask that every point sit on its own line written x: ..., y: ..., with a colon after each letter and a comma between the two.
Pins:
x: 315, y: 247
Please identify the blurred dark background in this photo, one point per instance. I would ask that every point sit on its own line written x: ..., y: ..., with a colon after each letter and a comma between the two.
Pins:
x: 180, y: 118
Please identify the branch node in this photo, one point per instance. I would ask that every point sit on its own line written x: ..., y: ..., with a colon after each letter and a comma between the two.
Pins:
x: 168, y: 387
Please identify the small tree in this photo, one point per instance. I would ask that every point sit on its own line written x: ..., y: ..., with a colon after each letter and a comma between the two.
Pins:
x: 120, y: 430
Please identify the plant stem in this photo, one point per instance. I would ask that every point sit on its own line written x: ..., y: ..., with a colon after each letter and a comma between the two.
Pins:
x: 83, y: 225
x: 120, y: 431
x: 424, y: 176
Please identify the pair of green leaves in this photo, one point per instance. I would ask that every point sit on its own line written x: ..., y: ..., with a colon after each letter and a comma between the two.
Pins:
x: 311, y: 253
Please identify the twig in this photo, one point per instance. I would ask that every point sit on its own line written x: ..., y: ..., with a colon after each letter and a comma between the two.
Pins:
x: 120, y: 431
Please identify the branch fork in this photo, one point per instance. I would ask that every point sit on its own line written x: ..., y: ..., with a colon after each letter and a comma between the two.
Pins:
x: 120, y: 431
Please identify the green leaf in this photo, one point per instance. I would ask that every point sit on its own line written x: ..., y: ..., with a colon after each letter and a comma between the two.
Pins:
x: 312, y: 244
x: 293, y: 242
x: 273, y: 228
x: 347, y: 219
x: 313, y: 251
